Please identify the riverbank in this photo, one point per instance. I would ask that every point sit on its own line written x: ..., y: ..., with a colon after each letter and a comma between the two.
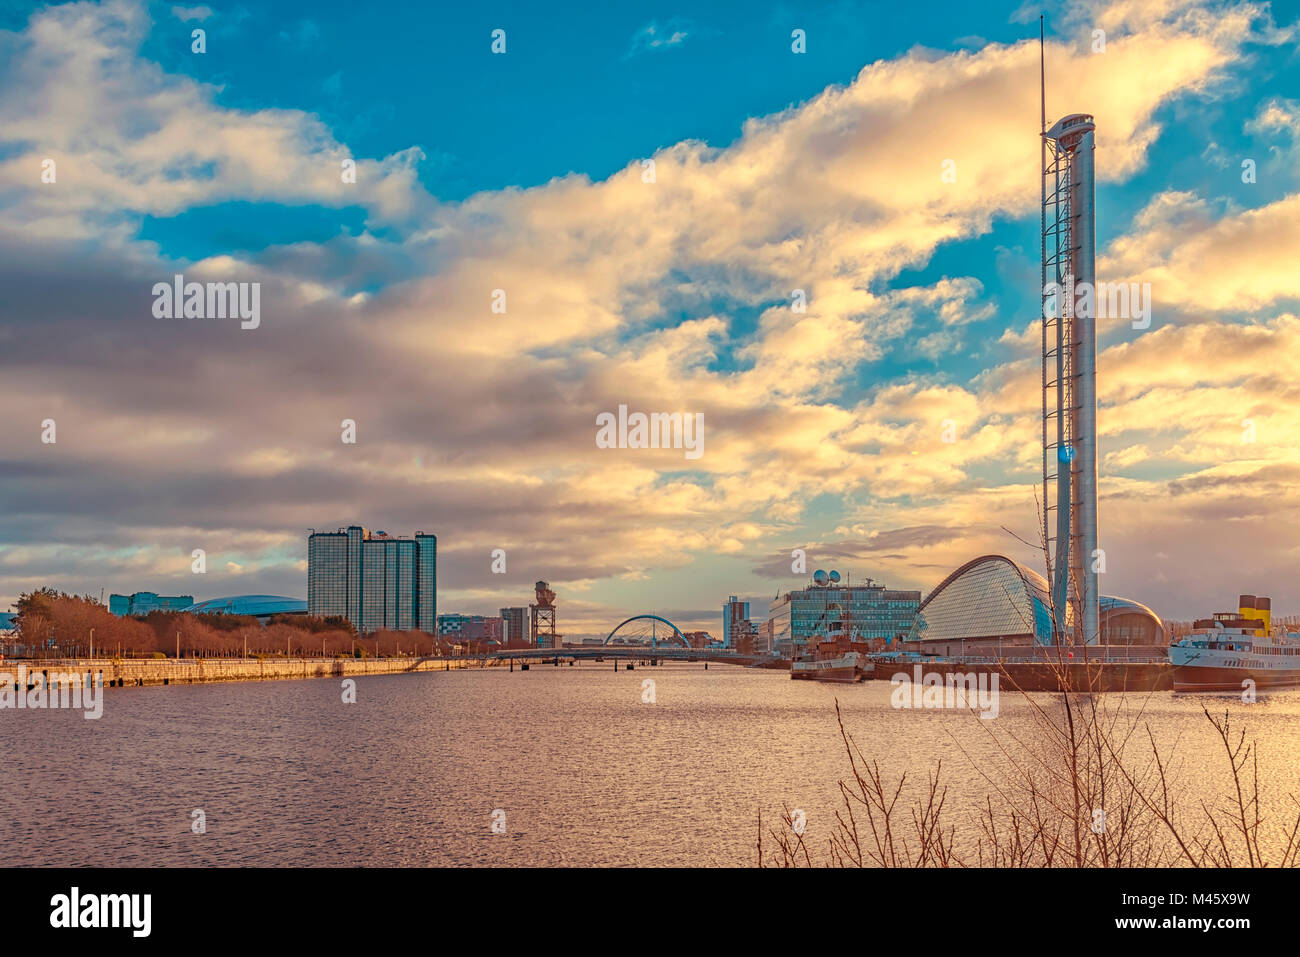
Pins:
x: 143, y: 672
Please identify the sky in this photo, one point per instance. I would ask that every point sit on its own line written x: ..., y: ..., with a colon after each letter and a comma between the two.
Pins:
x: 617, y: 208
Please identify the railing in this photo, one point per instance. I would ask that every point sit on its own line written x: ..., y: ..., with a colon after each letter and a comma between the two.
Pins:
x: 1078, y: 659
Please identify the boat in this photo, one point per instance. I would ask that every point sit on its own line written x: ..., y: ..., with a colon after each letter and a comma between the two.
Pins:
x: 1220, y: 658
x: 837, y: 659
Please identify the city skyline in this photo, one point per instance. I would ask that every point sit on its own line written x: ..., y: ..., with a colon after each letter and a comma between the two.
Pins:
x: 821, y: 172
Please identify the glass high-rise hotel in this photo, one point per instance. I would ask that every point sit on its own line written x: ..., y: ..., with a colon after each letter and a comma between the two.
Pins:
x: 374, y: 581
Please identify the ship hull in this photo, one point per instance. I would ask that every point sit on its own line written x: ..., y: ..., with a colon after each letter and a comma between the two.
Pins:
x: 845, y: 669
x: 1209, y: 678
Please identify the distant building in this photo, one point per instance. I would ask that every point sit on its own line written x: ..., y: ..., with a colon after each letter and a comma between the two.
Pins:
x: 698, y: 639
x: 470, y: 627
x: 1124, y: 621
x: 735, y: 621
x: 143, y: 602
x: 516, y: 620
x: 374, y: 581
x: 870, y: 612
x: 452, y: 625
x: 260, y: 607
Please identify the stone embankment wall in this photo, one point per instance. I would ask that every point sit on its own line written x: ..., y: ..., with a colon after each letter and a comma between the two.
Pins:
x: 135, y: 672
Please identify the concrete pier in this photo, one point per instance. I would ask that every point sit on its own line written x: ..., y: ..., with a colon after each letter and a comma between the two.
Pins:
x: 140, y: 672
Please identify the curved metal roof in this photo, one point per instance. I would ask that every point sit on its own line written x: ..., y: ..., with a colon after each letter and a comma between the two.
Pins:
x: 1115, y: 603
x: 1035, y: 582
x: 248, y: 605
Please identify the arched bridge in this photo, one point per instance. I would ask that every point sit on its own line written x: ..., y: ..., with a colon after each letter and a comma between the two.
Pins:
x: 641, y: 632
x: 644, y: 637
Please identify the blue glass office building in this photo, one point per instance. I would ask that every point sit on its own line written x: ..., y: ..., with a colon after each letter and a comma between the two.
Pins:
x: 868, y: 611
x: 374, y: 581
x: 143, y: 602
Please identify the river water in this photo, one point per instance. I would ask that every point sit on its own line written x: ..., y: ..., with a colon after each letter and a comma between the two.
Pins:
x: 583, y: 768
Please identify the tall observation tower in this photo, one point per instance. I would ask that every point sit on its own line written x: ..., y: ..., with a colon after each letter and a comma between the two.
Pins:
x: 1070, y: 373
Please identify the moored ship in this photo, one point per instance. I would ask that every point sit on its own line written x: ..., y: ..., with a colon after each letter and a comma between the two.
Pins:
x: 1230, y: 650
x: 836, y: 656
x: 835, y: 660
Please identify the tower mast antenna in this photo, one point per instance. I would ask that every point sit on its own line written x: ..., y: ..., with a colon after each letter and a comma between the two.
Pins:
x: 1042, y: 83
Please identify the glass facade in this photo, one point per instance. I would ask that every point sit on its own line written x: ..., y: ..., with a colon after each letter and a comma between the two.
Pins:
x: 143, y: 602
x: 374, y: 582
x: 990, y: 598
x: 870, y: 611
x: 426, y: 583
x: 735, y: 619
x: 516, y: 620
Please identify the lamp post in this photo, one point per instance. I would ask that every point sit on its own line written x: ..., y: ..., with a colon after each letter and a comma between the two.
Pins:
x: 178, y: 646
x: 92, y: 643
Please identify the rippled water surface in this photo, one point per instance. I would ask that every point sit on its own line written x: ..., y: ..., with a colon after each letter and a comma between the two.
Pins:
x: 585, y: 771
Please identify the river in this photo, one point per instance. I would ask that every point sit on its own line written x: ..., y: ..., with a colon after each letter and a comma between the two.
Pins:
x: 583, y: 769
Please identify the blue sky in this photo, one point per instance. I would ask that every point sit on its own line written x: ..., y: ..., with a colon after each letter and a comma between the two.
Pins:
x: 586, y: 90
x: 776, y: 171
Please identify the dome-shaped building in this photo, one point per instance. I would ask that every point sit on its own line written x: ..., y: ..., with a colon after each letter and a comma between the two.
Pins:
x: 991, y: 600
x: 994, y: 603
x: 1124, y: 621
x: 261, y: 607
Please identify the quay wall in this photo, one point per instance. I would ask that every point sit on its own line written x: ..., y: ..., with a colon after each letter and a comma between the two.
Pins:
x: 140, y: 672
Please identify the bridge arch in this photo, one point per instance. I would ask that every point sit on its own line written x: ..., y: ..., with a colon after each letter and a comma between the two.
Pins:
x: 654, y: 639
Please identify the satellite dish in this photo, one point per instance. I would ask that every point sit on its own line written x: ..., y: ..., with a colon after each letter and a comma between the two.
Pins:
x: 835, y: 576
x: 819, y: 577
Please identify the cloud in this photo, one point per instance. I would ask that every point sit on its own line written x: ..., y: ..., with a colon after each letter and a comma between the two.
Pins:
x: 128, y: 139
x: 480, y: 424
x: 656, y: 36
x: 186, y: 14
x: 1278, y: 113
x: 304, y: 34
x: 1198, y: 262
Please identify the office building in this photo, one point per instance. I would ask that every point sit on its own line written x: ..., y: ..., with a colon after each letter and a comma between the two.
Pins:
x: 374, y: 581
x: 869, y: 612
x: 516, y: 627
x: 735, y: 621
x: 470, y: 627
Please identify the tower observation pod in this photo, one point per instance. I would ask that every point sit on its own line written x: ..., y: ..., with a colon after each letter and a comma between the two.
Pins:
x: 1069, y: 375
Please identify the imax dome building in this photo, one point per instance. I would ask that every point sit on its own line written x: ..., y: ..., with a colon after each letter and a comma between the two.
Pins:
x: 260, y: 607
x: 993, y: 603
